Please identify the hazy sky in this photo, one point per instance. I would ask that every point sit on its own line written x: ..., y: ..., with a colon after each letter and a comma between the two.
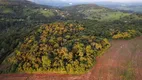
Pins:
x: 89, y: 0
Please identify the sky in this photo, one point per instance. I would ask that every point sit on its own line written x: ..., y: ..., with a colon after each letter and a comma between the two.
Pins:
x: 88, y: 0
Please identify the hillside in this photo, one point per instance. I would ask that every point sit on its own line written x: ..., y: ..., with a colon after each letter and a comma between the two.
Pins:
x: 94, y: 12
x: 20, y: 17
x: 23, y: 12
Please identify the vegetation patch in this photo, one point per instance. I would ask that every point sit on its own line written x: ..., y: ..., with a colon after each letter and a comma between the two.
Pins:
x: 128, y: 74
x: 47, y: 13
x: 124, y: 35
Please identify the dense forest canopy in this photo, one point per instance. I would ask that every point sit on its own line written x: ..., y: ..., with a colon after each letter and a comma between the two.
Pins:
x: 57, y: 47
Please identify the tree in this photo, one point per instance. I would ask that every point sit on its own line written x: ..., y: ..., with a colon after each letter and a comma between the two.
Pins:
x: 46, y: 62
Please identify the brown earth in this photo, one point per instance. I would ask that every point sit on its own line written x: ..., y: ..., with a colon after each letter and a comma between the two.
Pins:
x: 123, y: 61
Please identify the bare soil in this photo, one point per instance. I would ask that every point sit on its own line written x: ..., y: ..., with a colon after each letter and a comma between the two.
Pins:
x: 123, y: 61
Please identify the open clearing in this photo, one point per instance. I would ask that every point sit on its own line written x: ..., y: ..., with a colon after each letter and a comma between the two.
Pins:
x: 123, y: 61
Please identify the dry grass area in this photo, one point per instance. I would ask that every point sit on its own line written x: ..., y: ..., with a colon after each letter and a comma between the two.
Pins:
x: 123, y: 61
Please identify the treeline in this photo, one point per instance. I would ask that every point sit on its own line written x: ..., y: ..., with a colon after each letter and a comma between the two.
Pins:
x: 124, y: 35
x: 57, y: 47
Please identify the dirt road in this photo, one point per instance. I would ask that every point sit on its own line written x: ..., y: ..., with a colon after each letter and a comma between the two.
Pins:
x: 123, y: 61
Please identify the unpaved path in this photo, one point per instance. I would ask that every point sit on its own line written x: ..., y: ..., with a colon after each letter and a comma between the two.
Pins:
x: 123, y: 61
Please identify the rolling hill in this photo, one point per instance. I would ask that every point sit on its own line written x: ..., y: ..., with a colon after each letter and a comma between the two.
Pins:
x: 94, y: 12
x: 134, y: 7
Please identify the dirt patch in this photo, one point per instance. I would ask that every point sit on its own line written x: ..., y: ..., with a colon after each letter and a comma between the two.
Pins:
x: 123, y: 61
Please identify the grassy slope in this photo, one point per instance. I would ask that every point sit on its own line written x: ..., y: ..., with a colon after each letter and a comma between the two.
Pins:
x: 94, y: 12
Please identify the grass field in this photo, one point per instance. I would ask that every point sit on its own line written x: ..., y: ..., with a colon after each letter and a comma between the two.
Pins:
x: 47, y: 13
x: 103, y: 14
x: 5, y: 10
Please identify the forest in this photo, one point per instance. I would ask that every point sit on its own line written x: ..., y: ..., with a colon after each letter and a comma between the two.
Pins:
x: 57, y: 47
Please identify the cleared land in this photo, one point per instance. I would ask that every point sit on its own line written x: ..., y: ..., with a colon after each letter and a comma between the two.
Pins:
x: 123, y: 61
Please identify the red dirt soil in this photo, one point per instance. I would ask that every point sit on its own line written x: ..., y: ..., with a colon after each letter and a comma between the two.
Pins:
x: 123, y: 61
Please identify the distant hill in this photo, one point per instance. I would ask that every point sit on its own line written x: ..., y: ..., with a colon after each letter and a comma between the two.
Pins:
x: 94, y: 12
x: 57, y: 3
x: 129, y: 7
